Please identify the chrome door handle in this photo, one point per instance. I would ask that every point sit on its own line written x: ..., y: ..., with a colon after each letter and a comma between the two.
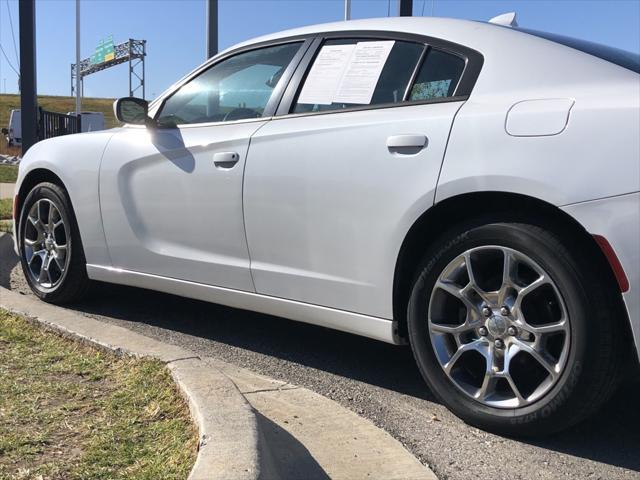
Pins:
x: 406, y: 141
x: 225, y: 160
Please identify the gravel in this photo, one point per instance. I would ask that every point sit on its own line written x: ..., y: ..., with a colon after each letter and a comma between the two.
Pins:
x: 379, y: 382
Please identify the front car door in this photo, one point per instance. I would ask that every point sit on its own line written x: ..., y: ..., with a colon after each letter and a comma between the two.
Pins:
x: 334, y: 182
x: 171, y: 196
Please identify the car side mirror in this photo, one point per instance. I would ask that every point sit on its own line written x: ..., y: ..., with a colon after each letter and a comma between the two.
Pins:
x: 134, y: 111
x: 5, y: 131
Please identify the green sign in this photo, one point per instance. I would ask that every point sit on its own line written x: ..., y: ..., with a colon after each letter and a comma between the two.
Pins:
x: 105, y: 51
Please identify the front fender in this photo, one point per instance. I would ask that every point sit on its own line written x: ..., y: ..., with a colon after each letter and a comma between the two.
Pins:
x: 75, y: 160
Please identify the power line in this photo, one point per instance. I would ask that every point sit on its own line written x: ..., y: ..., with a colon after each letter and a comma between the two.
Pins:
x: 13, y: 36
x: 8, y: 61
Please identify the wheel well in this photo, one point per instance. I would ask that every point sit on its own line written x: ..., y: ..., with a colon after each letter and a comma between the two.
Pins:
x: 33, y: 178
x: 493, y: 206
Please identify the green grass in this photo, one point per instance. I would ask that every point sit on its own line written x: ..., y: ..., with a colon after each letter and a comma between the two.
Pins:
x: 8, y: 173
x: 61, y: 105
x: 68, y: 411
x: 6, y: 207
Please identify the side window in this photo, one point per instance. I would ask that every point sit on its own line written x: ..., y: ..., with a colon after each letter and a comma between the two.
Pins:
x: 355, y: 72
x: 234, y: 89
x: 438, y: 76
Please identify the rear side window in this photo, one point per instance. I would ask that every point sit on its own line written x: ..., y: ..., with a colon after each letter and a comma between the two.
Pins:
x: 438, y: 76
x: 352, y: 73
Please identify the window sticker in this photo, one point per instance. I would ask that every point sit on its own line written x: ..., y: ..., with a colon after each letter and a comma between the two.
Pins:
x: 346, y: 73
x: 326, y: 74
x: 363, y: 71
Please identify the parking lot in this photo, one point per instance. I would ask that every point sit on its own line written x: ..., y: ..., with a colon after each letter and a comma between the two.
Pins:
x: 377, y: 381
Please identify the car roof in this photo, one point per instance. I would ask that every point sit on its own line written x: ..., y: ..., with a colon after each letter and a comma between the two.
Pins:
x: 507, y: 52
x: 445, y: 28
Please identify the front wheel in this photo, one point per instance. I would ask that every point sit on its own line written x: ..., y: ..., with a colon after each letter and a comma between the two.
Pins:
x: 510, y: 330
x: 51, y: 252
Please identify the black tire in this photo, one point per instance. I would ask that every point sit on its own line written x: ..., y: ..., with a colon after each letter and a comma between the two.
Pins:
x: 590, y: 373
x: 74, y: 283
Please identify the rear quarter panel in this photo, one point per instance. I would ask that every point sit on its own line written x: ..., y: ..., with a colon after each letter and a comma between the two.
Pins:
x: 594, y: 156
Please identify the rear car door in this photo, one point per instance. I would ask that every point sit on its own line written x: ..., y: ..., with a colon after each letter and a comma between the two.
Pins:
x: 171, y: 196
x: 333, y: 182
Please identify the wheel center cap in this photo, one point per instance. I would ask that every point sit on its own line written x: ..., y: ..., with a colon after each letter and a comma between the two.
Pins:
x: 48, y: 243
x: 497, y: 325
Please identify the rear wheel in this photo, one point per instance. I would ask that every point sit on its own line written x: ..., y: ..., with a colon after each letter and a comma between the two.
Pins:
x: 511, y: 330
x: 51, y: 252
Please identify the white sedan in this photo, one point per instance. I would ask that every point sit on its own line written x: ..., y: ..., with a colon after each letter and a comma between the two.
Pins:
x: 466, y: 188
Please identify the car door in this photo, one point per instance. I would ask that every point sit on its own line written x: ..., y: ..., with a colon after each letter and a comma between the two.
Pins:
x: 171, y: 195
x: 333, y: 184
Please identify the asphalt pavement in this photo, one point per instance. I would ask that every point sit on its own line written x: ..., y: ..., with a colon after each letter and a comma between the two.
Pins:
x: 377, y: 381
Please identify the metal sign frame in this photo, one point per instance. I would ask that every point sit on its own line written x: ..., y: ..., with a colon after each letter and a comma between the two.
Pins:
x: 132, y: 52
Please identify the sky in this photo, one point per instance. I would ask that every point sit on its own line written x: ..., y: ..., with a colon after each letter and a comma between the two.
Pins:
x: 175, y: 30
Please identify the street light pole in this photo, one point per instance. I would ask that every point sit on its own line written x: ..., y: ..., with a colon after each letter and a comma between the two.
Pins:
x: 347, y: 9
x: 212, y: 28
x: 78, y: 90
x: 28, y: 92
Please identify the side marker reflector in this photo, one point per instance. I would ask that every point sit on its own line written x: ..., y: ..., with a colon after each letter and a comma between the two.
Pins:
x: 612, y: 258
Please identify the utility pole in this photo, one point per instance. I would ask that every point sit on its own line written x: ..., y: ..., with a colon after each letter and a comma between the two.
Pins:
x: 405, y: 8
x: 28, y: 92
x: 212, y: 28
x: 347, y: 9
x: 78, y: 89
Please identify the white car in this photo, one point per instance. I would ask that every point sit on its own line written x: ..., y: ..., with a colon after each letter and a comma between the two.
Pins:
x: 467, y: 188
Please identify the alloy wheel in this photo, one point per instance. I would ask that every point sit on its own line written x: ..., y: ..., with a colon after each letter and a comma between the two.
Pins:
x: 499, y: 327
x: 46, y: 241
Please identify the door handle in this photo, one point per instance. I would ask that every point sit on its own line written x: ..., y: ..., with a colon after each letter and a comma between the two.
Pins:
x: 406, y: 141
x: 225, y: 160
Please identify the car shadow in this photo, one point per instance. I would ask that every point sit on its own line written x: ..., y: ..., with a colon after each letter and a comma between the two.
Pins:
x: 387, y: 366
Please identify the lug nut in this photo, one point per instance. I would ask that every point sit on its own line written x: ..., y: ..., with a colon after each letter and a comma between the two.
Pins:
x: 504, y: 311
x: 513, y: 331
x: 499, y: 343
x: 483, y: 331
x: 486, y: 311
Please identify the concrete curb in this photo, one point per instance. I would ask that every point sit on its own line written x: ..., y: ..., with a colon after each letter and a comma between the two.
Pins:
x: 229, y: 437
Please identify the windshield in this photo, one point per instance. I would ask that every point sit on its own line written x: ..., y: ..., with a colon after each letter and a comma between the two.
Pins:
x: 628, y: 60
